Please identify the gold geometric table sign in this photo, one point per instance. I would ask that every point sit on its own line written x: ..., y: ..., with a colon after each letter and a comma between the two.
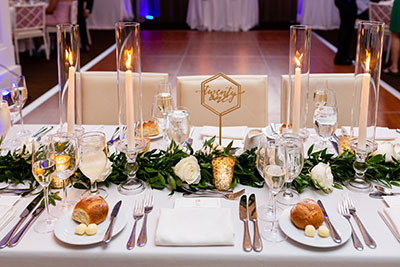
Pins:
x: 221, y: 95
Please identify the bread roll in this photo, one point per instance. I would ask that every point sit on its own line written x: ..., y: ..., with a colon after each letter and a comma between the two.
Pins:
x: 306, y: 212
x: 91, y: 209
x: 150, y: 128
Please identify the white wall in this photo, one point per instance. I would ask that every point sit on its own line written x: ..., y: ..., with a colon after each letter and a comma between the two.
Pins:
x: 7, y: 56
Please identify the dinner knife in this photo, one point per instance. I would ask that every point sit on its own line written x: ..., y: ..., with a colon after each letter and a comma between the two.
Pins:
x: 243, y: 216
x: 35, y: 214
x: 22, y: 217
x: 257, y: 243
x: 334, y: 234
x: 114, y: 213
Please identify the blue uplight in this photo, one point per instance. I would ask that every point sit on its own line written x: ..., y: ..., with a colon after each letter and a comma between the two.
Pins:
x: 149, y: 17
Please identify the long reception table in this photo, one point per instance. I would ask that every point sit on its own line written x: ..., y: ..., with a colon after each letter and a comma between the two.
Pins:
x: 46, y: 250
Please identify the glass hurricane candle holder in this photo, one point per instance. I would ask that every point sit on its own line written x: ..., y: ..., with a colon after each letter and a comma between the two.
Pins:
x: 129, y: 82
x: 299, y: 70
x: 366, y: 95
x: 68, y: 43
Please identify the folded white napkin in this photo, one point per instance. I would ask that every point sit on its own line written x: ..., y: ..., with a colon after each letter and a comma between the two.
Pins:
x: 393, y: 215
x: 7, y: 212
x: 381, y: 133
x: 233, y: 132
x: 195, y: 227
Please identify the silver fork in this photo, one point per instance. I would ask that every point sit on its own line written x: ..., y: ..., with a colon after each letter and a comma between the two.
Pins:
x: 345, y: 212
x: 369, y: 241
x: 148, y: 207
x: 138, y: 213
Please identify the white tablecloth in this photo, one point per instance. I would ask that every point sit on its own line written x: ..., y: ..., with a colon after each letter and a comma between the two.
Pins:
x: 320, y: 14
x: 106, y: 13
x: 222, y: 15
x: 45, y: 250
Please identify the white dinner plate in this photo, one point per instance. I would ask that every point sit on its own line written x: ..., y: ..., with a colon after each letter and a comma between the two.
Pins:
x: 64, y: 230
x: 341, y: 225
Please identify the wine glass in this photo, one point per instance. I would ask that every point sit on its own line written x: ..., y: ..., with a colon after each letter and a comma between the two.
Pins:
x: 295, y: 161
x: 267, y: 209
x: 5, y: 121
x: 19, y: 95
x: 274, y: 169
x: 178, y: 126
x: 65, y: 150
x: 93, y: 160
x: 163, y: 104
x: 43, y: 167
x: 325, y: 116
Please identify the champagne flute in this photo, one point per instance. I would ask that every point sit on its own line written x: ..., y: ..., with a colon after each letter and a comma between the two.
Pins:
x: 65, y: 150
x: 163, y: 104
x: 274, y: 169
x: 43, y: 167
x: 5, y: 121
x: 295, y: 161
x: 178, y: 126
x: 19, y: 94
x: 93, y: 160
x: 325, y: 116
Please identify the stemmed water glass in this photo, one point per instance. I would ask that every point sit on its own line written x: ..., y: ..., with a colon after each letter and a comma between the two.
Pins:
x: 325, y: 116
x: 93, y: 160
x: 178, y: 126
x: 43, y: 167
x: 274, y: 169
x: 19, y: 95
x: 65, y: 150
x: 163, y: 104
x: 295, y: 161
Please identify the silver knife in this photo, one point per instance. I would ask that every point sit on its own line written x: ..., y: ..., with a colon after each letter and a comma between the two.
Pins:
x: 335, y: 235
x: 22, y: 217
x: 108, y: 235
x: 35, y: 214
x: 257, y: 243
x: 243, y: 216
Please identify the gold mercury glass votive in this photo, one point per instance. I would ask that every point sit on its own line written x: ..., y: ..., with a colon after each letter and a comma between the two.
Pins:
x: 344, y: 143
x: 62, y: 163
x: 223, y: 172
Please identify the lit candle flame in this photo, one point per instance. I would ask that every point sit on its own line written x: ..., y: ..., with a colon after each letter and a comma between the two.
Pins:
x: 128, y: 54
x: 367, y: 60
x: 297, y: 58
x: 68, y: 56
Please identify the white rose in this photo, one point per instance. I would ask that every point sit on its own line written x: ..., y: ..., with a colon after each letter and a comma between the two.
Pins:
x: 321, y: 174
x: 188, y: 170
x: 387, y: 150
x: 396, y: 149
x: 107, y: 171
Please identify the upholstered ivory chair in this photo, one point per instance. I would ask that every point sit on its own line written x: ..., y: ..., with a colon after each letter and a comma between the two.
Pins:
x: 97, y: 98
x: 343, y: 85
x: 253, y: 110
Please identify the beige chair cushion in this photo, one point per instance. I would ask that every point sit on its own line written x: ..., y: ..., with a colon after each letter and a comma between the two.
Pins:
x: 253, y: 110
x: 343, y: 85
x: 97, y: 100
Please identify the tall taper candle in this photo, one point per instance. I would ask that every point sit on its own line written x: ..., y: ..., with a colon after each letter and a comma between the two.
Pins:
x: 297, y: 95
x: 363, y: 118
x: 71, y: 95
x: 130, y: 113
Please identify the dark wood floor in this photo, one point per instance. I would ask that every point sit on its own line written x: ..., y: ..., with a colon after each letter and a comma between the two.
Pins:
x: 256, y: 52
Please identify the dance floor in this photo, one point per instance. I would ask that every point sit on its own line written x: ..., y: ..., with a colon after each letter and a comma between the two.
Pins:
x: 181, y: 53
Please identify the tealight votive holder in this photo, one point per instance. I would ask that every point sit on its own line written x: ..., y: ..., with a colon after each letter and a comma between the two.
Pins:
x: 223, y: 168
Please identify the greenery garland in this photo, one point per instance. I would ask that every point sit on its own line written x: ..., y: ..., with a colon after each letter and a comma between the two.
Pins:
x: 156, y: 168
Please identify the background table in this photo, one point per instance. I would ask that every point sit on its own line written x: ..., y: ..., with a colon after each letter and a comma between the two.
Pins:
x: 45, y: 250
x: 222, y: 15
x: 320, y: 14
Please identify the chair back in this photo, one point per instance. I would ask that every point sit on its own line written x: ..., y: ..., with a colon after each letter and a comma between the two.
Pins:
x: 29, y: 17
x: 74, y: 12
x: 342, y: 83
x: 97, y: 97
x: 380, y: 12
x: 253, y: 111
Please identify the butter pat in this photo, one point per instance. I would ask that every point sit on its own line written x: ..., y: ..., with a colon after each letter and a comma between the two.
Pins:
x: 309, y: 231
x: 80, y: 229
x: 323, y: 231
x: 91, y: 229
